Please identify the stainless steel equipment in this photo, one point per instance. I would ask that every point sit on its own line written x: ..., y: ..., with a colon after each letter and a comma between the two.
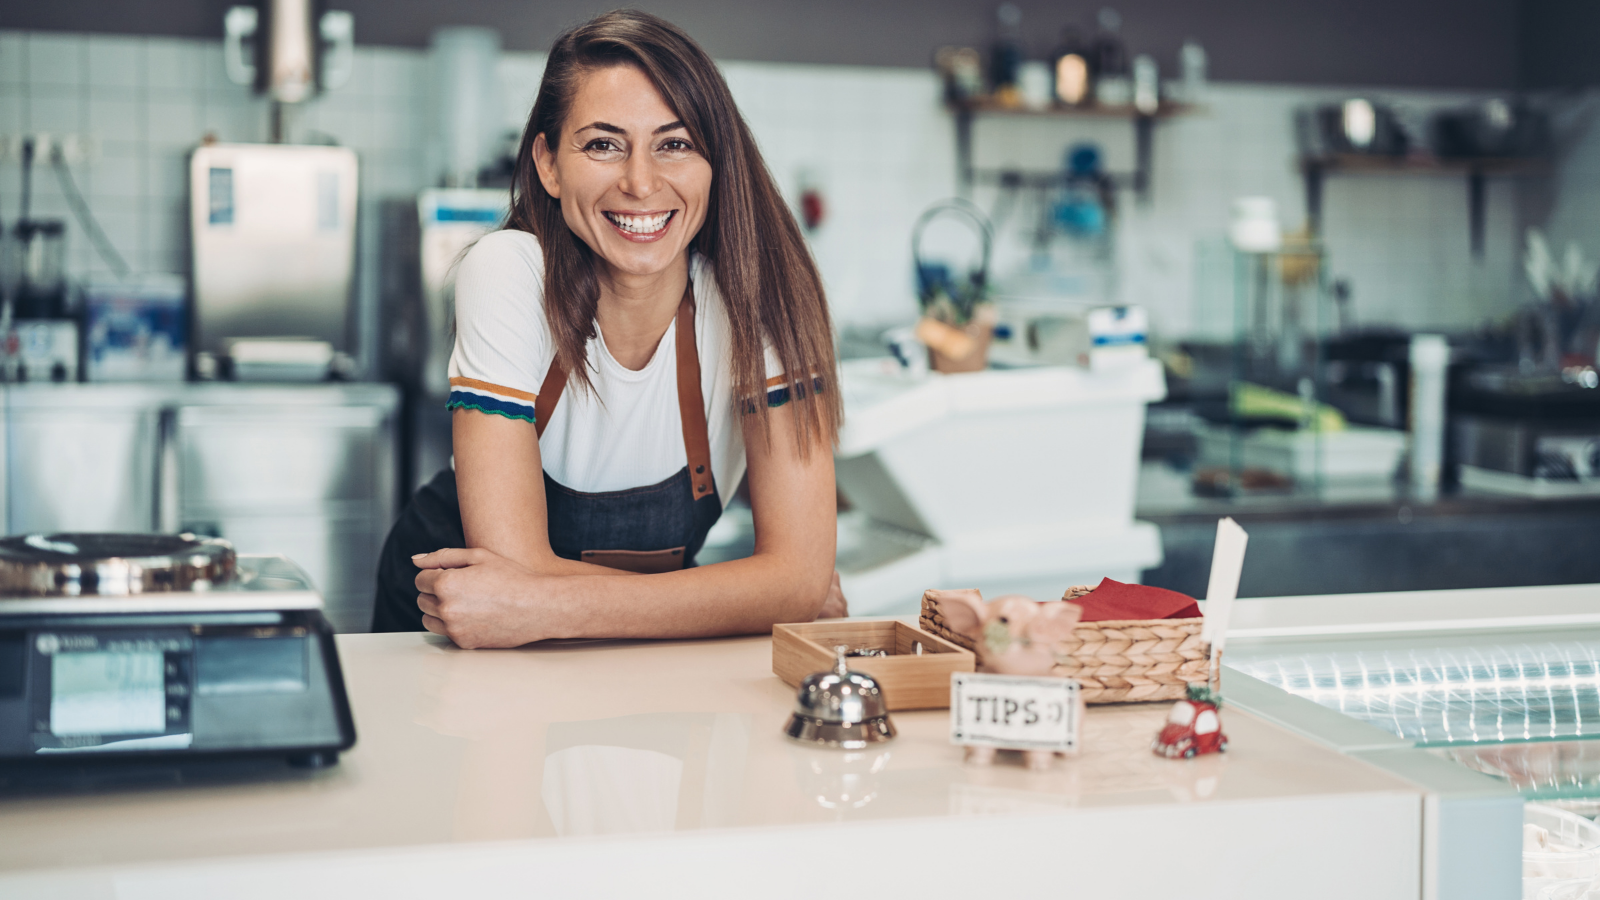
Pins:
x: 306, y: 470
x: 135, y: 645
x: 39, y: 565
x: 840, y: 708
x: 273, y: 240
x: 288, y: 50
x: 1530, y: 434
x: 419, y: 321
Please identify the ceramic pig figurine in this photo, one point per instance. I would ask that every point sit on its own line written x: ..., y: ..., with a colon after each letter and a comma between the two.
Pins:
x: 1013, y: 635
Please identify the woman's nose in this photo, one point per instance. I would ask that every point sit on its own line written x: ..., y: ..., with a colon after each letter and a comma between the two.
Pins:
x: 640, y: 177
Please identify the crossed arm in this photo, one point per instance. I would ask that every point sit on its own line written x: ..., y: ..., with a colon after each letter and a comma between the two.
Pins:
x: 509, y: 588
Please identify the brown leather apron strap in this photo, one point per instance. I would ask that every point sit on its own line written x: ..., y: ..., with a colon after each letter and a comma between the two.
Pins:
x: 544, y: 404
x: 691, y: 404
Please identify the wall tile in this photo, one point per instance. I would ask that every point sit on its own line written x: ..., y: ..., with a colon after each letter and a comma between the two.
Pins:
x: 13, y: 58
x: 56, y: 59
x: 55, y: 110
x: 115, y: 119
x: 174, y: 65
x: 399, y: 73
x: 11, y: 110
x: 116, y: 63
x: 123, y: 229
x: 167, y: 173
x: 172, y: 123
x: 119, y: 174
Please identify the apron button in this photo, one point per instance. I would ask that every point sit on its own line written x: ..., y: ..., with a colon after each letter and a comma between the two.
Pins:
x: 699, y: 470
x: 702, y: 489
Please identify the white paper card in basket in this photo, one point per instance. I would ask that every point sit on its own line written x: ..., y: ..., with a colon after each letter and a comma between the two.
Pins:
x: 1014, y: 712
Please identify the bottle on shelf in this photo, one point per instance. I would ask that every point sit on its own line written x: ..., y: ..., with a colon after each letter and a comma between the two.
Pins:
x: 1070, y: 65
x: 1146, y: 85
x: 1007, y: 57
x: 1113, y: 84
x: 1192, y: 65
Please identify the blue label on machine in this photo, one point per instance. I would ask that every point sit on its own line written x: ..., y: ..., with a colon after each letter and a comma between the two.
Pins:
x: 220, y: 193
x: 478, y: 214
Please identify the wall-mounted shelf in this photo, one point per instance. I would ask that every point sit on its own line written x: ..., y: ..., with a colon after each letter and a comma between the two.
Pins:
x: 966, y: 112
x: 1316, y: 169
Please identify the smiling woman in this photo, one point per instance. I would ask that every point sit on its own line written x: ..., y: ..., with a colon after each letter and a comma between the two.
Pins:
x: 650, y: 260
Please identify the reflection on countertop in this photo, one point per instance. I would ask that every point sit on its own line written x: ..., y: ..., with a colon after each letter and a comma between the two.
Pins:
x: 629, y: 737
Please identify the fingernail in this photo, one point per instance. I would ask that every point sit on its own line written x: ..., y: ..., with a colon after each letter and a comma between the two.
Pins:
x: 418, y: 555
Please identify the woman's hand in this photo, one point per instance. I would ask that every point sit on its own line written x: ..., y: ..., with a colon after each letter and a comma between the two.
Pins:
x: 835, y: 606
x: 477, y: 598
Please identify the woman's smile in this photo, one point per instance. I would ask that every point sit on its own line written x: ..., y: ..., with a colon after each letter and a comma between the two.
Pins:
x: 641, y: 227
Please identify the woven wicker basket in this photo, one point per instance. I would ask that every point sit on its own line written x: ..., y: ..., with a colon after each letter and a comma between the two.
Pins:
x: 1125, y: 661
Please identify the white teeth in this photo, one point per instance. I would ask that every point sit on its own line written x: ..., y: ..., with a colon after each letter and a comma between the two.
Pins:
x: 640, y: 224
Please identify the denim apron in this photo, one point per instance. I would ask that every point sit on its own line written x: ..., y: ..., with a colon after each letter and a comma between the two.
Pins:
x: 655, y: 528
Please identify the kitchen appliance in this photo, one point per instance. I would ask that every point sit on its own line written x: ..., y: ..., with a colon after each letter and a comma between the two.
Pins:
x: 1356, y: 126
x: 1528, y: 434
x: 41, y: 350
x: 273, y: 230
x: 38, y: 288
x: 447, y: 221
x: 289, y: 50
x: 118, y: 646
x: 136, y: 330
x: 304, y: 470
x: 840, y: 708
x: 1491, y: 128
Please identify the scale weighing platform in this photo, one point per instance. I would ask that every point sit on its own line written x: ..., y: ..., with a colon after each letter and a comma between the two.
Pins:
x: 119, y: 646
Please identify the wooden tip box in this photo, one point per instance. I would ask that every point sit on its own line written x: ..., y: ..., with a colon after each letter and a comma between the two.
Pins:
x: 908, y: 681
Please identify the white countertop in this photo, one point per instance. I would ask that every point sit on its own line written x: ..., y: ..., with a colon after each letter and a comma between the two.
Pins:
x: 620, y: 768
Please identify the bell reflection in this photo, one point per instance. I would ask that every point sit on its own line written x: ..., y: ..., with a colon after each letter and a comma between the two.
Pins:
x: 839, y: 780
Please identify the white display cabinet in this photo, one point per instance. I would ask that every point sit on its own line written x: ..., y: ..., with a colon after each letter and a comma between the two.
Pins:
x: 1008, y: 480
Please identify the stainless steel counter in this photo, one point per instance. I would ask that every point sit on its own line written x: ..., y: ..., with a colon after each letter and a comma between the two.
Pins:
x: 304, y: 470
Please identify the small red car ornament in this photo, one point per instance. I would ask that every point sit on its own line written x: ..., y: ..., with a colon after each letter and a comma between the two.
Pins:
x: 1193, y: 727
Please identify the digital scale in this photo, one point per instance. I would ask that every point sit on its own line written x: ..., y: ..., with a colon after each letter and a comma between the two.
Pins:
x: 114, y: 646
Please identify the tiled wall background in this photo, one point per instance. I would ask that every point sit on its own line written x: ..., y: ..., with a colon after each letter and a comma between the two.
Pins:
x: 874, y: 139
x: 1567, y: 205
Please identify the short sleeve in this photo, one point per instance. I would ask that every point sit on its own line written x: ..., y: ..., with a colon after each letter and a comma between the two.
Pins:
x: 502, y: 347
x: 781, y: 386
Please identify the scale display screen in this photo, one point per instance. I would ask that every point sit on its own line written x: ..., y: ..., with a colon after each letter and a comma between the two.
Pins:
x: 112, y: 690
x: 105, y: 692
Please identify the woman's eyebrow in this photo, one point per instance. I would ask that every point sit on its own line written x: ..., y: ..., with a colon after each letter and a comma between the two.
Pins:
x: 613, y: 129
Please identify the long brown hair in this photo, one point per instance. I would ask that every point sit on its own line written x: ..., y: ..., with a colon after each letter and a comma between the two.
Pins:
x: 768, y: 281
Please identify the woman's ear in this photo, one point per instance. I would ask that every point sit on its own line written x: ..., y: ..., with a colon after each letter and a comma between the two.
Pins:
x: 545, y: 162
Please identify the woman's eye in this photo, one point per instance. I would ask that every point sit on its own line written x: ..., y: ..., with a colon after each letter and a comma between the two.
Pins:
x: 602, y: 148
x: 676, y: 147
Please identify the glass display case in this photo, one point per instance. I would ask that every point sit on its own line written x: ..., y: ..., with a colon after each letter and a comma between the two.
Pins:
x: 1489, y: 698
x: 1273, y: 432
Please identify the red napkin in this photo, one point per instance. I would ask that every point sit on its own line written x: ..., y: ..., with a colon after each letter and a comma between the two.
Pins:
x: 1113, y: 600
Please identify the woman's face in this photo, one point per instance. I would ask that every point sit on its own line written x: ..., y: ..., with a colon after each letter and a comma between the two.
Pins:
x: 631, y: 183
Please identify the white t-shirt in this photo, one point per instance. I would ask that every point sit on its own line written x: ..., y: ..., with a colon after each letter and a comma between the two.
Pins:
x: 627, y: 432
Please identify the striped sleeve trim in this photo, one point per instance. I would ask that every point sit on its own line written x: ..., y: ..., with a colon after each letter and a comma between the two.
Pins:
x: 780, y: 391
x: 492, y: 405
x: 485, y: 387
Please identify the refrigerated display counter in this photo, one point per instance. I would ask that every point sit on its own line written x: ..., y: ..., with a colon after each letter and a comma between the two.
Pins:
x: 1487, y: 698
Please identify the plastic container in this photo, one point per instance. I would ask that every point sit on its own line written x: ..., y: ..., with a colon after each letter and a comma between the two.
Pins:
x: 1570, y: 860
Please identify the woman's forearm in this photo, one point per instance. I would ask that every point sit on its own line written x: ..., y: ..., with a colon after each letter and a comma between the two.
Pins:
x: 742, y: 596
